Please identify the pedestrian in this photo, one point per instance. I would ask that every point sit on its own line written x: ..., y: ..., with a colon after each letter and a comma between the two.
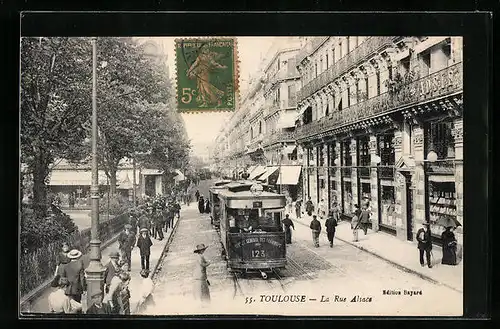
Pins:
x: 355, y: 223
x: 144, y: 243
x: 287, y: 222
x: 309, y: 206
x: 59, y: 302
x: 449, y: 247
x: 145, y: 293
x: 321, y: 208
x: 197, y: 195
x: 126, y: 242
x: 364, y: 219
x: 424, y: 244
x: 289, y: 205
x: 336, y: 211
x: 119, y: 294
x: 331, y: 224
x: 201, y: 204
x: 115, y: 283
x: 144, y: 221
x: 298, y: 205
x: 177, y: 208
x: 158, y: 221
x: 315, y: 227
x: 133, y: 221
x: 112, y: 267
x: 201, y: 289
x: 98, y: 307
x: 75, y: 273
x: 207, y: 206
x: 61, y: 260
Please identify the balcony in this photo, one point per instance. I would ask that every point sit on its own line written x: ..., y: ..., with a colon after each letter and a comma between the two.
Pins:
x: 279, y: 137
x: 439, y: 84
x: 354, y: 58
x: 283, y: 74
x: 310, y: 47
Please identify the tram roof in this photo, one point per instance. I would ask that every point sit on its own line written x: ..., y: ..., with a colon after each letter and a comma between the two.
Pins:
x: 249, y: 195
x: 222, y: 182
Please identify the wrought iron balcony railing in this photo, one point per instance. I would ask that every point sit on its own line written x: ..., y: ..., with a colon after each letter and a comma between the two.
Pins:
x: 310, y: 47
x: 354, y: 58
x: 281, y: 136
x: 435, y: 85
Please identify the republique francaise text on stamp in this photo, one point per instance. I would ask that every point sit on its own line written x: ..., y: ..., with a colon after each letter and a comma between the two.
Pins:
x: 206, y: 74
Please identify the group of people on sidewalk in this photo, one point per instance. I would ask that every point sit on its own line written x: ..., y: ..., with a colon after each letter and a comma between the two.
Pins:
x: 203, y: 203
x: 70, y: 278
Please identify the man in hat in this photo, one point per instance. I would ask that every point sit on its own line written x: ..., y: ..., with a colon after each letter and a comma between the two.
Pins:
x: 126, y: 242
x: 144, y: 243
x: 75, y: 273
x: 331, y: 224
x: 315, y: 227
x: 200, y: 290
x: 287, y: 222
x: 424, y: 244
x: 298, y: 205
x: 98, y: 307
x: 111, y: 269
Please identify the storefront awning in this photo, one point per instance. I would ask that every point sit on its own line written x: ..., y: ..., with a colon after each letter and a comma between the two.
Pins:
x: 259, y: 170
x: 287, y: 120
x: 74, y: 178
x: 289, y: 149
x: 289, y: 175
x: 269, y: 172
x: 442, y: 178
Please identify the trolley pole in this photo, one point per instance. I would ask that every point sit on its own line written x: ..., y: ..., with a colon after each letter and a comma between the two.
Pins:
x: 95, y: 270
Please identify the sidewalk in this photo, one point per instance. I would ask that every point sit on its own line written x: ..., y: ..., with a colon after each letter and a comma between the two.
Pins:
x: 402, y: 254
x: 40, y: 303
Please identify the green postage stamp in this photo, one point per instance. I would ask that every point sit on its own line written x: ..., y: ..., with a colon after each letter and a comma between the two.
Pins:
x: 207, y: 74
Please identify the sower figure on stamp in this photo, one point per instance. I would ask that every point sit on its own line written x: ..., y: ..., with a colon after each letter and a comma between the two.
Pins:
x: 316, y: 230
x: 287, y: 222
x: 331, y: 224
x: 424, y: 244
x: 126, y: 241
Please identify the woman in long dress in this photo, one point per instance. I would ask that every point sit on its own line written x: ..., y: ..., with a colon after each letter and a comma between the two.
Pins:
x: 449, y: 247
x: 201, y: 290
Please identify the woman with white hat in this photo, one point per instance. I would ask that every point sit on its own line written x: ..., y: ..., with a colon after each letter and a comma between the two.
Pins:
x: 200, y: 289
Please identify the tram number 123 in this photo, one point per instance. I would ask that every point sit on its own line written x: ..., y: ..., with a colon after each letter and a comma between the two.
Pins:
x: 256, y: 253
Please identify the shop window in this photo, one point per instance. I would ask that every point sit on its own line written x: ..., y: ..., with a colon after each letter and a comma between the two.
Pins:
x: 387, y: 206
x: 365, y: 195
x: 442, y: 203
x: 348, y: 201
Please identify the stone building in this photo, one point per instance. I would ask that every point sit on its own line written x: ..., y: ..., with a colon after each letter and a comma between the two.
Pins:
x: 381, y: 124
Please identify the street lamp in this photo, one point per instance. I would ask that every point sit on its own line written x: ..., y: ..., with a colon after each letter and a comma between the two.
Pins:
x: 95, y: 270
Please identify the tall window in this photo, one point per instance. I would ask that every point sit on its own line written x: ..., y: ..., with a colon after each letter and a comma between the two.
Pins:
x: 426, y: 62
x: 348, y: 96
x: 251, y: 133
x: 363, y: 151
x: 340, y: 49
x: 378, y: 82
x: 260, y: 127
x: 440, y: 139
x: 348, y: 43
x: 331, y: 155
x: 333, y: 56
x: 321, y: 157
x: 321, y: 64
x: 316, y: 69
x: 326, y: 61
x: 291, y: 95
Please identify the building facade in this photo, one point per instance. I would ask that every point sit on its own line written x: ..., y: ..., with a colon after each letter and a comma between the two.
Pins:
x: 381, y: 124
x: 259, y: 138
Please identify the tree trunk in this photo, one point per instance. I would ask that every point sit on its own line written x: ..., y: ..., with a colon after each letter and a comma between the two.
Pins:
x: 40, y: 172
x: 112, y: 181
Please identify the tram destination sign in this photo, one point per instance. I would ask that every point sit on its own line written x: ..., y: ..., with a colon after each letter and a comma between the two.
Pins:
x: 257, y: 204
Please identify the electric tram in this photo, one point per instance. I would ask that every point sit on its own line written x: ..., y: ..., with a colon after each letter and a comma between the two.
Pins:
x: 250, y: 228
x: 213, y: 194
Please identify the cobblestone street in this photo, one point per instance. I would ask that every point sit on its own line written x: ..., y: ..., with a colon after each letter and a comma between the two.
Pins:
x: 341, y: 274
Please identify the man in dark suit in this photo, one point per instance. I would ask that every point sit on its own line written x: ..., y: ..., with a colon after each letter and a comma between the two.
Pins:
x: 424, y: 244
x: 111, y: 269
x: 126, y: 241
x: 98, y: 307
x: 331, y: 224
x: 75, y: 273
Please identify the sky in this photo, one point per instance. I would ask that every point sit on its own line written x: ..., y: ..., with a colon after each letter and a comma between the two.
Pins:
x: 203, y: 128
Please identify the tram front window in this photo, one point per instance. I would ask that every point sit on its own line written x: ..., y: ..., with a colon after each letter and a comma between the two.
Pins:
x: 253, y: 220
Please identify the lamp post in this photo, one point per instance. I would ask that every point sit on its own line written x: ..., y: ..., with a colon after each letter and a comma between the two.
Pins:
x: 95, y: 270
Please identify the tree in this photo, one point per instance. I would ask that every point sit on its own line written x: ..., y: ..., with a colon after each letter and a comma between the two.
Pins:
x: 55, y: 103
x: 133, y: 116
